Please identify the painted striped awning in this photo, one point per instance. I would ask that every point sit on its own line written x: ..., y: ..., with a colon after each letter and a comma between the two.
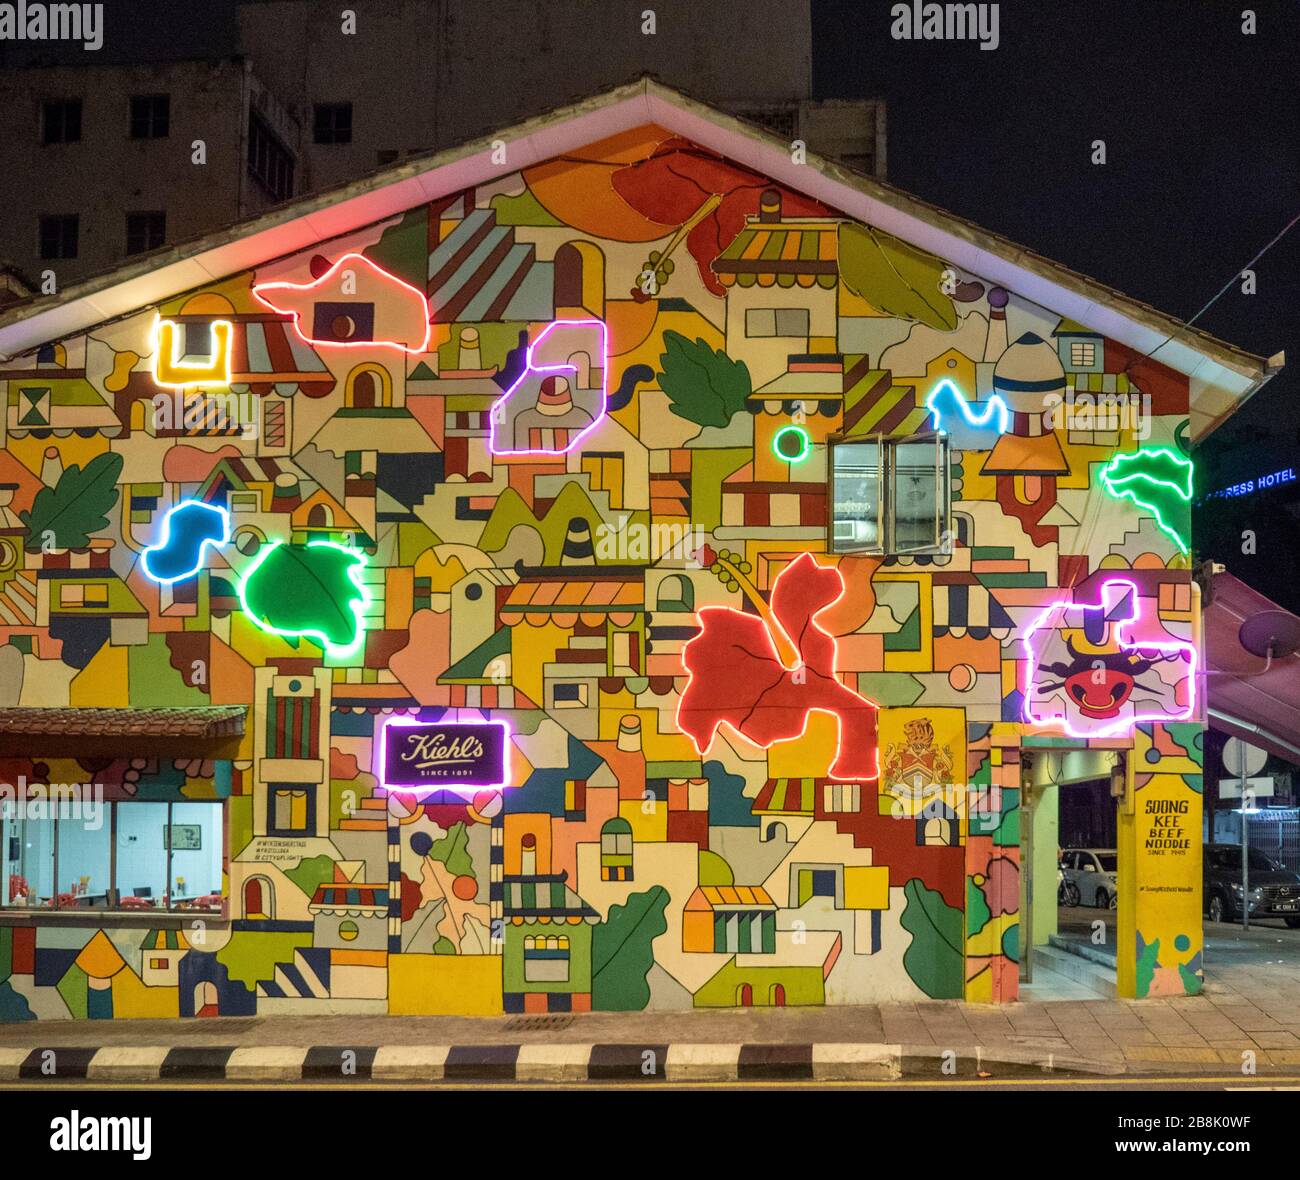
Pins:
x: 268, y: 356
x: 781, y: 254
x: 747, y: 897
x: 786, y: 796
x: 564, y: 602
x: 350, y: 899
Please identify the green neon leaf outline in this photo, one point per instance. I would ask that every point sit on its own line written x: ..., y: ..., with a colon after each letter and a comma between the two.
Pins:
x: 1118, y: 486
x: 358, y: 605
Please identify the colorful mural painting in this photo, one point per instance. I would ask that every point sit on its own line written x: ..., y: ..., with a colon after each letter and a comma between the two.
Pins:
x: 642, y: 581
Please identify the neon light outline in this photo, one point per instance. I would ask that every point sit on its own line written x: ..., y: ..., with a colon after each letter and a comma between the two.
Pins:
x: 316, y: 637
x: 1116, y: 487
x: 216, y: 372
x: 203, y: 544
x: 529, y: 368
x: 803, y: 434
x: 285, y: 285
x: 995, y: 404
x: 406, y: 722
x: 776, y: 655
x: 1125, y: 725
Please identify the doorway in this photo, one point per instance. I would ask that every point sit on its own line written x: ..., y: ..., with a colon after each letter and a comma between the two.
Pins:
x: 1071, y: 885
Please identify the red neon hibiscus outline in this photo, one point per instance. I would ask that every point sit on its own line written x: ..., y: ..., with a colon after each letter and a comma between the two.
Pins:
x: 285, y: 285
x: 800, y: 562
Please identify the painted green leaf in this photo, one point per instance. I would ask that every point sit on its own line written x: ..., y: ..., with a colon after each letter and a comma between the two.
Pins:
x: 77, y: 506
x: 934, y: 957
x: 894, y: 277
x: 453, y: 850
x: 310, y: 590
x: 621, y: 952
x: 704, y: 384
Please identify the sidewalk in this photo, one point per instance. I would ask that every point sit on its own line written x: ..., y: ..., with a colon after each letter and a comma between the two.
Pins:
x: 1247, y: 1011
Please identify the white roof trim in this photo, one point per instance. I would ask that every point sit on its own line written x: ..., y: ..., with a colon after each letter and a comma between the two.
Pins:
x: 1211, y: 362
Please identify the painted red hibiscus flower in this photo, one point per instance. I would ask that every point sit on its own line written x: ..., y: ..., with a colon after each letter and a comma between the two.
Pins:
x: 686, y: 185
x: 738, y: 678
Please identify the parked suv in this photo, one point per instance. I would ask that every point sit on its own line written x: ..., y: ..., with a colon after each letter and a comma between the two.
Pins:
x: 1089, y: 877
x: 1274, y: 890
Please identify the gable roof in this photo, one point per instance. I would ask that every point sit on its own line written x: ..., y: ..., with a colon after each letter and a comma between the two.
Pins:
x: 1221, y: 376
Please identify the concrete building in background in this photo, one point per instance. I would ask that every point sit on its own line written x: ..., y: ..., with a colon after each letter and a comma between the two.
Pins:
x: 288, y: 103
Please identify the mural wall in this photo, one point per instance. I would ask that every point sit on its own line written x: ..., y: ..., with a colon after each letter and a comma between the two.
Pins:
x: 557, y: 453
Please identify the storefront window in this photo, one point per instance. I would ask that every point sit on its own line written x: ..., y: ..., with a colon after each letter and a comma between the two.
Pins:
x: 117, y: 856
x: 28, y: 876
x: 142, y: 855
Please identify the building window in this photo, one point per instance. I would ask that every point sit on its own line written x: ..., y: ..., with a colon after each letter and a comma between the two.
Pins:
x: 61, y: 121
x: 744, y: 932
x: 290, y: 810
x: 1082, y: 354
x: 332, y: 122
x: 150, y: 116
x: 59, y: 235
x: 776, y: 321
x: 616, y: 851
x: 842, y: 797
x: 74, y: 854
x: 145, y: 231
x: 269, y: 162
x: 891, y: 495
x: 546, y: 958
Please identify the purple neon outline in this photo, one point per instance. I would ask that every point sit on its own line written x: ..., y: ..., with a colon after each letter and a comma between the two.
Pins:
x: 1126, y: 724
x: 529, y: 369
x: 408, y: 722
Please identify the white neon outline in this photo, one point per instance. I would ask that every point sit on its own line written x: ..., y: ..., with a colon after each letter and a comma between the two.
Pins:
x: 358, y: 605
x: 995, y: 405
x: 423, y: 790
x: 774, y: 622
x: 530, y: 368
x: 167, y: 536
x: 285, y: 285
x: 164, y: 337
x: 1123, y: 725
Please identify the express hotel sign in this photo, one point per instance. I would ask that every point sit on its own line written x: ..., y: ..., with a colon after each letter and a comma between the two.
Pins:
x: 445, y: 755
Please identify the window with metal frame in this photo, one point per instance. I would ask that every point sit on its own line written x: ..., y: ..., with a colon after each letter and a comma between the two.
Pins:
x: 890, y: 495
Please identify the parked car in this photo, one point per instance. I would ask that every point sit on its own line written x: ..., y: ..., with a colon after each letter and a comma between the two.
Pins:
x: 1274, y: 890
x: 1090, y: 874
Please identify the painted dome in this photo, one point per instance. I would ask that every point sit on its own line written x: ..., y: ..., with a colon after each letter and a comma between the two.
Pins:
x: 1027, y: 372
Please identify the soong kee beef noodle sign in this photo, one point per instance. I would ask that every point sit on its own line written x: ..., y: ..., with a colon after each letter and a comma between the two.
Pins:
x: 446, y: 755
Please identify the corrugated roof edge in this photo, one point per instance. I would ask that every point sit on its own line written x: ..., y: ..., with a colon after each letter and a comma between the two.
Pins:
x: 256, y: 241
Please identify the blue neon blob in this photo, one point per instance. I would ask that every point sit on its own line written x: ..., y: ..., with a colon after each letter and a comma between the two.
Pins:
x: 187, y: 529
x: 978, y: 426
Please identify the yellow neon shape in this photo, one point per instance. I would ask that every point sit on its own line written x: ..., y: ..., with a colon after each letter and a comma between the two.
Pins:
x: 173, y: 373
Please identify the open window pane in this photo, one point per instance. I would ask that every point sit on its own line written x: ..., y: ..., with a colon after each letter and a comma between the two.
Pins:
x: 919, y: 493
x: 855, y: 496
x: 28, y: 877
x: 142, y: 855
x: 195, y: 836
x: 85, y: 860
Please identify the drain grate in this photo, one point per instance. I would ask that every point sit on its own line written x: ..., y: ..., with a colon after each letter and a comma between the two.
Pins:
x: 538, y: 1023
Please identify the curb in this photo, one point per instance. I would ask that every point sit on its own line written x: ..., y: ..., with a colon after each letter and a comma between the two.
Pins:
x: 558, y: 1063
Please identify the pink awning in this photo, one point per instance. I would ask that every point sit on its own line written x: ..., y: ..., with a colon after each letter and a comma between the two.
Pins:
x: 1245, y: 701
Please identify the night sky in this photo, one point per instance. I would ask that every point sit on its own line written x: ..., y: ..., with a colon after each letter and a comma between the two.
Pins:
x: 1202, y: 130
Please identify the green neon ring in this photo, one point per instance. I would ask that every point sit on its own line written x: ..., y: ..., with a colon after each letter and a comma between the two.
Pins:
x: 780, y: 434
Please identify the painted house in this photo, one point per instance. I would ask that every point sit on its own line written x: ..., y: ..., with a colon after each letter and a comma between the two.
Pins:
x: 647, y: 572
